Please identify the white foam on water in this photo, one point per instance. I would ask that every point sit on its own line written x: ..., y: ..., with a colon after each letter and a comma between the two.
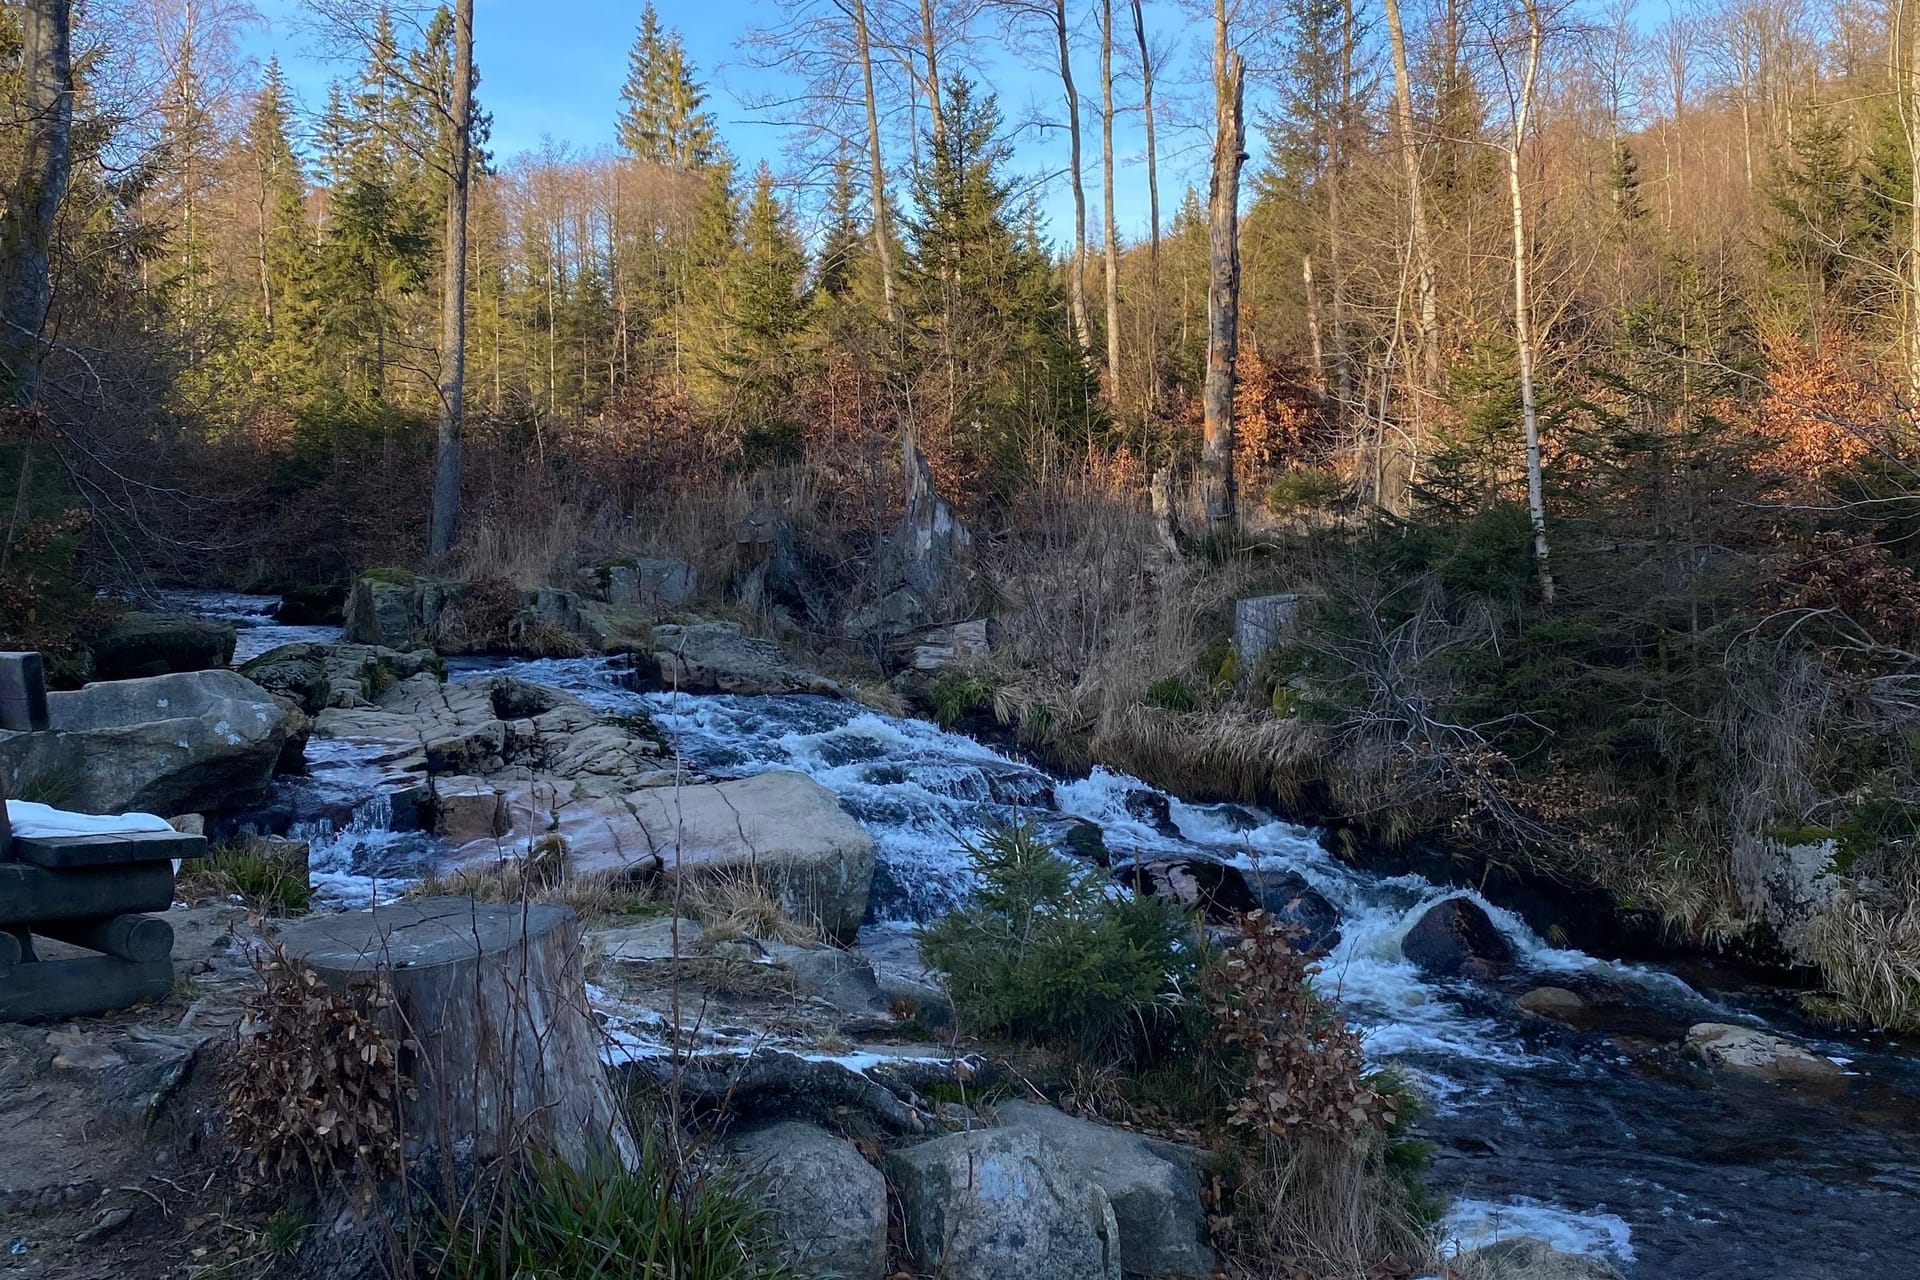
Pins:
x: 1472, y: 1224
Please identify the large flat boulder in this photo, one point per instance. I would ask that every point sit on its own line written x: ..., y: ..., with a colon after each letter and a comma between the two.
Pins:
x: 1003, y: 1204
x: 1749, y: 1052
x: 782, y: 830
x: 828, y: 1203
x: 156, y: 644
x: 1152, y: 1186
x: 192, y: 742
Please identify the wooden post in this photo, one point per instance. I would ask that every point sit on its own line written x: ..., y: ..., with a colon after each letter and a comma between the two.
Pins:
x: 23, y: 692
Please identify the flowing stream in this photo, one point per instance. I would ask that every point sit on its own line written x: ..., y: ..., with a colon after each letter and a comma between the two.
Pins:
x: 1593, y: 1138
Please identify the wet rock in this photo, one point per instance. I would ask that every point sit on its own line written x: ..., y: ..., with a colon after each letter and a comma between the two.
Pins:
x: 828, y: 1204
x: 155, y: 644
x: 1153, y: 809
x: 297, y: 672
x: 1455, y: 938
x: 841, y: 978
x: 1151, y: 1185
x: 1555, y: 1003
x: 1293, y: 903
x: 1085, y: 840
x: 318, y: 676
x: 324, y: 606
x: 1003, y: 1204
x: 1215, y: 890
x: 714, y: 657
x: 202, y: 742
x: 1529, y: 1259
x: 1748, y: 1052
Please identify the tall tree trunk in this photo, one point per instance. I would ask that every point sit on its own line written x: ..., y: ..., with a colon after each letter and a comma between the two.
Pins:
x: 1428, y: 319
x: 1077, y: 268
x: 26, y: 233
x: 1223, y: 287
x: 1153, y: 219
x: 1113, y: 233
x: 1910, y: 98
x: 876, y: 169
x: 1336, y: 212
x: 931, y: 49
x: 1523, y: 337
x: 453, y: 290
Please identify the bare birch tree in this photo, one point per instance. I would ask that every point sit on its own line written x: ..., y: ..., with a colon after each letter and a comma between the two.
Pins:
x: 1106, y: 213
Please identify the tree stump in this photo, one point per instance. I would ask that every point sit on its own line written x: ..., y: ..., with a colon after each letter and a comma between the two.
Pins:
x: 490, y: 1005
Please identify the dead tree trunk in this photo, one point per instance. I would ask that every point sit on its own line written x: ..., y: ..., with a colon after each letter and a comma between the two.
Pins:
x: 453, y: 296
x: 46, y: 160
x: 1113, y: 234
x: 1223, y: 290
x: 492, y: 999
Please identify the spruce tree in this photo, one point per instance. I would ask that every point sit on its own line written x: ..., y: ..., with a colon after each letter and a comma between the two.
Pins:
x: 764, y: 310
x: 663, y: 121
x: 282, y: 243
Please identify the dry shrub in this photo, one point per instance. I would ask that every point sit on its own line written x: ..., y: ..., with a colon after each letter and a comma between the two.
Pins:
x: 1324, y: 1187
x: 1308, y: 1073
x: 314, y: 1084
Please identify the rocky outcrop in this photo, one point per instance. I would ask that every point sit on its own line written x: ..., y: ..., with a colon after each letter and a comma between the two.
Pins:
x: 776, y: 569
x: 157, y: 644
x: 512, y: 762
x: 641, y: 582
x: 714, y: 657
x: 317, y: 676
x: 194, y: 742
x: 958, y: 643
x: 1003, y: 1204
x: 1529, y: 1259
x: 1456, y: 938
x: 394, y: 609
x: 1152, y: 1186
x: 828, y: 1204
x: 1747, y: 1052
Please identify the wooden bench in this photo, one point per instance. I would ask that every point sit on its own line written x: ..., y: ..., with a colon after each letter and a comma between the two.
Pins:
x: 89, y: 891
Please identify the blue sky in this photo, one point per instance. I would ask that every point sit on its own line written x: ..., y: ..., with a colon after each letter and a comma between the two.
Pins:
x: 552, y: 69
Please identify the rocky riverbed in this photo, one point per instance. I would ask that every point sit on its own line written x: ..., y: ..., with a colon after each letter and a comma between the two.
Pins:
x: 1665, y: 1120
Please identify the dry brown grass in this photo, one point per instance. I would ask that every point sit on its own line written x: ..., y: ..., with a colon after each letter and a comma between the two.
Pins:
x: 1868, y: 948
x: 739, y: 906
x: 1327, y: 1209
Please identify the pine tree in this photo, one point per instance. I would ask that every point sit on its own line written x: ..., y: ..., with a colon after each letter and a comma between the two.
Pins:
x: 844, y: 242
x: 663, y: 121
